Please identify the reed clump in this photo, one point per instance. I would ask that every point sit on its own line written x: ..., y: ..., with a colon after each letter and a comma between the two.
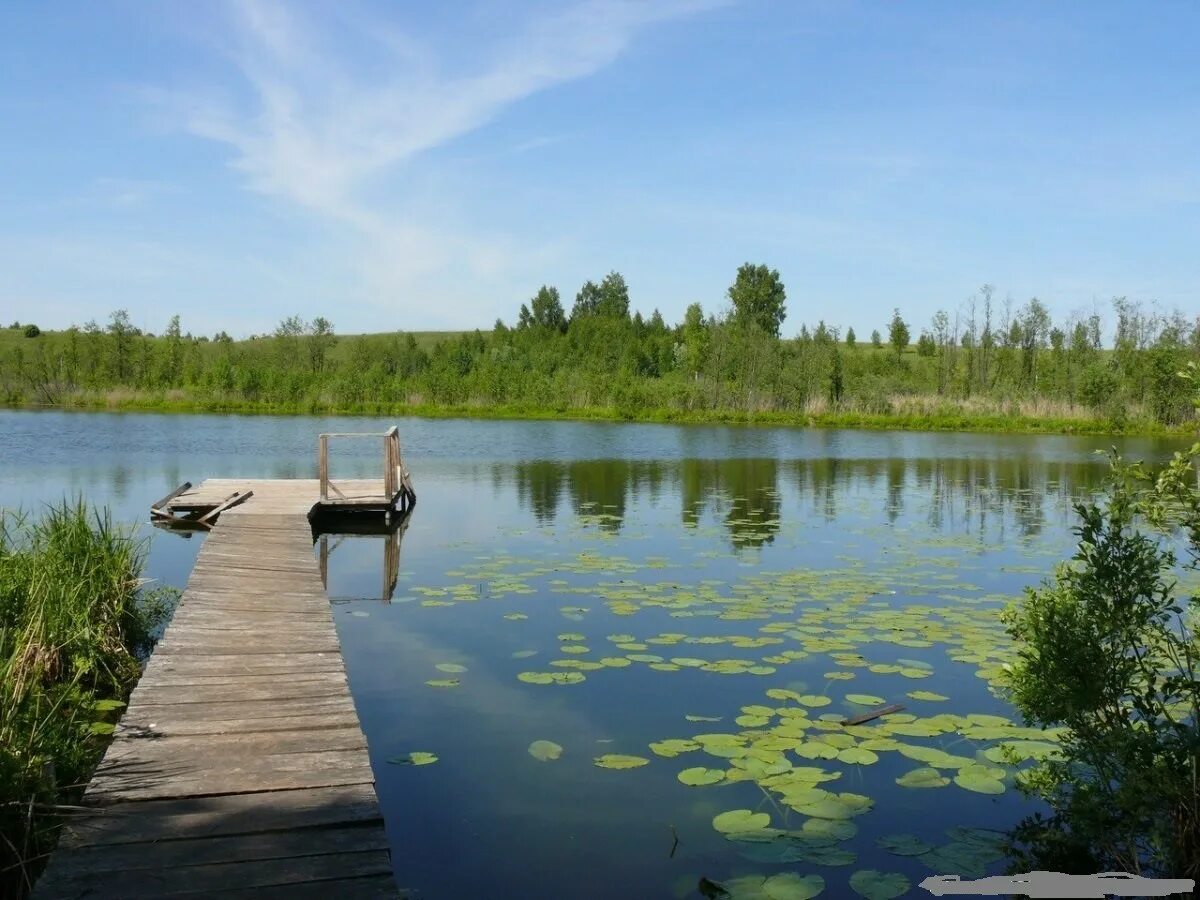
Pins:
x: 75, y: 621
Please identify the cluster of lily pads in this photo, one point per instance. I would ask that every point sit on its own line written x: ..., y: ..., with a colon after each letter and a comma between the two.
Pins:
x: 848, y: 620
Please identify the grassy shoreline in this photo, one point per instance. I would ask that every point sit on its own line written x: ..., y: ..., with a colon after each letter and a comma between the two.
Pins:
x: 946, y: 419
x: 75, y: 621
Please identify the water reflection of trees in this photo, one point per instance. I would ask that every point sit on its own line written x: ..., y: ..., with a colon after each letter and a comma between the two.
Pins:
x: 747, y: 496
x: 744, y: 493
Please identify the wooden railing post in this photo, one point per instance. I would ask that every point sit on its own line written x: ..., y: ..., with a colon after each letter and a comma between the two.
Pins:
x: 387, y: 458
x: 324, y: 466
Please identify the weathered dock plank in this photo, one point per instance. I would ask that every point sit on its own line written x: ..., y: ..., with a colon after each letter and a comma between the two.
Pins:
x: 239, y: 767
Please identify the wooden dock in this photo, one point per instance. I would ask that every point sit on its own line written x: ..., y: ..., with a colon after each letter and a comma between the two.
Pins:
x: 239, y: 767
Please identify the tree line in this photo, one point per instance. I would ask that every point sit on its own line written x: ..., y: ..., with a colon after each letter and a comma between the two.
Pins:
x: 987, y: 357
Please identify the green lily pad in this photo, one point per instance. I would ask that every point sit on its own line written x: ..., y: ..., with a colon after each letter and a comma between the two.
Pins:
x: 858, y: 756
x: 673, y: 747
x: 814, y: 700
x: 923, y: 778
x: 619, y: 761
x: 524, y: 654
x: 442, y: 682
x: 904, y: 844
x: 864, y: 699
x: 551, y: 677
x: 699, y: 776
x: 960, y: 858
x: 927, y: 695
x: 545, y: 750
x: 1023, y: 750
x: 790, y: 886
x: 875, y: 885
x: 736, y: 821
x: 416, y: 758
x: 831, y: 829
x: 451, y: 668
x: 979, y: 780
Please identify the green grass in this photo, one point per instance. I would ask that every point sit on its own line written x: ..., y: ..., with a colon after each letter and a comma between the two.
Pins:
x: 926, y: 414
x: 73, y: 618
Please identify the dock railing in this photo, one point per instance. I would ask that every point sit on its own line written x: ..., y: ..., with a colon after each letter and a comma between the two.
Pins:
x: 396, y: 479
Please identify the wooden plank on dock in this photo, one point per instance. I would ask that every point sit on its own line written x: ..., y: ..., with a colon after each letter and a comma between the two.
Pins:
x: 239, y: 767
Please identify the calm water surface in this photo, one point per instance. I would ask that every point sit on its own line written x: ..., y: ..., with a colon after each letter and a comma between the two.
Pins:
x: 662, y: 572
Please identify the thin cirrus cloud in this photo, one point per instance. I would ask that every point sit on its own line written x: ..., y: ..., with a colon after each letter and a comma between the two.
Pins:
x: 321, y: 114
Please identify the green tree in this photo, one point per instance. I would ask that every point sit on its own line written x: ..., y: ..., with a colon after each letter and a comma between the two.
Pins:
x: 547, y: 310
x: 614, y: 297
x: 287, y: 341
x: 850, y: 339
x: 122, y: 332
x: 695, y: 339
x: 174, y: 359
x: 758, y: 296
x: 320, y: 340
x: 587, y: 301
x: 898, y: 333
x: 1108, y: 652
x: 876, y: 339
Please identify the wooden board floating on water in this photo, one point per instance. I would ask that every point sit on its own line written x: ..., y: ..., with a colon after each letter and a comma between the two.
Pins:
x: 160, y: 507
x: 239, y: 767
x: 873, y: 714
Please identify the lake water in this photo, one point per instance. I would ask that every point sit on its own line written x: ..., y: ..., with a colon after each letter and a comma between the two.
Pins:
x: 662, y: 579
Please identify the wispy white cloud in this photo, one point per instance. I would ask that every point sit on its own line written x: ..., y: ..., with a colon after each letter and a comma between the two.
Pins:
x: 329, y: 111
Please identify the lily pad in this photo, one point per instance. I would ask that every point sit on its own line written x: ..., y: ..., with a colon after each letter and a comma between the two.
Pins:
x: 831, y: 829
x: 790, y: 886
x: 904, y: 844
x: 923, y: 778
x: 927, y: 695
x: 619, y: 761
x: 416, y: 758
x: 451, y: 668
x: 981, y: 782
x: 545, y: 750
x: 699, y: 776
x: 673, y: 747
x: 858, y: 756
x: 736, y: 821
x: 814, y: 700
x: 864, y: 699
x: 876, y: 885
x: 1023, y: 750
x: 442, y: 682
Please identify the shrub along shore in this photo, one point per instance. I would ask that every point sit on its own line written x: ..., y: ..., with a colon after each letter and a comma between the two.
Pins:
x: 986, y: 366
x: 75, y: 622
x: 909, y: 413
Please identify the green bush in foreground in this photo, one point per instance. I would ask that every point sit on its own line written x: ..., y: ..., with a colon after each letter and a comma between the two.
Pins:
x: 1110, y: 650
x: 73, y: 619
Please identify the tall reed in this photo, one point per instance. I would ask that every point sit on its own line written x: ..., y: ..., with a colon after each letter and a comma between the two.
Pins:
x: 74, y: 620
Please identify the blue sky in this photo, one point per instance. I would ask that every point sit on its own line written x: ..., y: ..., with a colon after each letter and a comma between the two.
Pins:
x: 428, y: 165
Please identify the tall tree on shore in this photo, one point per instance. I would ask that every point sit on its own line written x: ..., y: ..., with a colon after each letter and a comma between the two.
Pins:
x: 173, y: 369
x: 898, y: 334
x: 547, y: 309
x: 122, y: 331
x: 587, y: 301
x: 614, y: 297
x: 758, y: 296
